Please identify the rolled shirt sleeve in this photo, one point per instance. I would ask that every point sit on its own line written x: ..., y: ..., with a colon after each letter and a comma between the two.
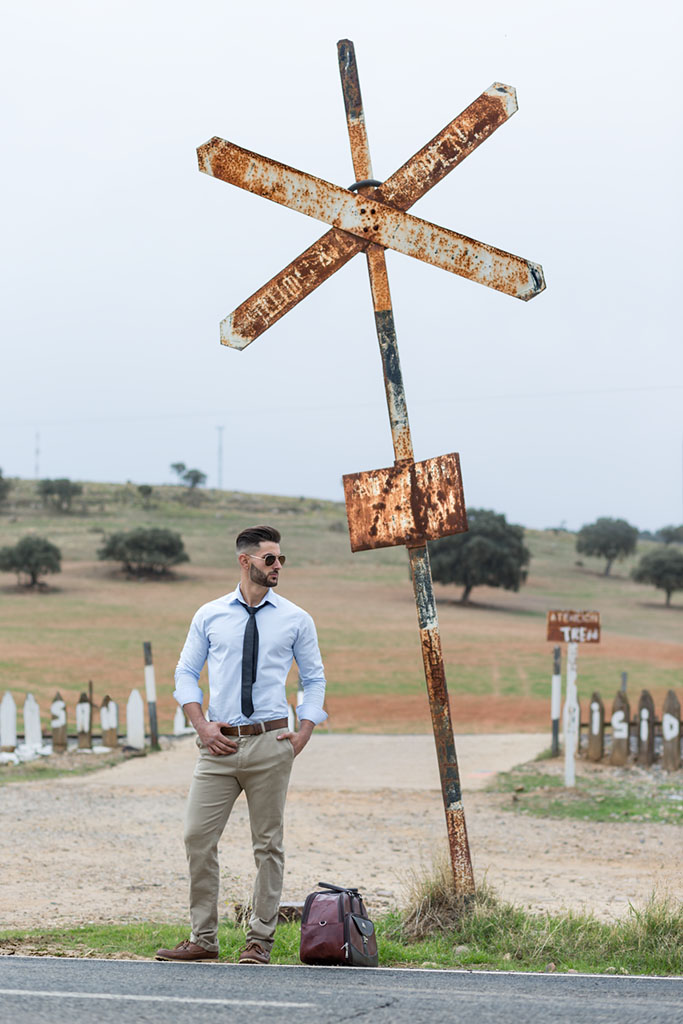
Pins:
x: 311, y: 672
x: 191, y: 662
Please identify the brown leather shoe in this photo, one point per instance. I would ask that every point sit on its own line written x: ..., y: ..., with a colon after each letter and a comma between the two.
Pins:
x: 186, y: 951
x: 254, y: 953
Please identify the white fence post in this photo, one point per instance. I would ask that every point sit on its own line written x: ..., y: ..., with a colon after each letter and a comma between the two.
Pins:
x: 33, y: 734
x: 671, y: 733
x: 151, y: 692
x: 181, y: 726
x: 8, y: 723
x: 571, y: 718
x: 135, y: 721
x: 556, y: 700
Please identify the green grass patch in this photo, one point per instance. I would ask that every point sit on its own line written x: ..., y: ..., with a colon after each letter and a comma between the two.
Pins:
x: 489, y: 934
x: 605, y: 794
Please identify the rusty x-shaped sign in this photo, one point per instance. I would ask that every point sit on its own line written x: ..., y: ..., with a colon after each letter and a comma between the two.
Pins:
x: 374, y: 215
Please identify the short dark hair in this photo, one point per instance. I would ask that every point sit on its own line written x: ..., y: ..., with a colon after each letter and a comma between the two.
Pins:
x: 254, y: 535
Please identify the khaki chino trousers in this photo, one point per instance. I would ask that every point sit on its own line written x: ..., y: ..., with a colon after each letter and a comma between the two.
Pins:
x: 261, y: 766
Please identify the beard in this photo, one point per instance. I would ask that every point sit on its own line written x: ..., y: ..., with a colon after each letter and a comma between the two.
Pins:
x: 260, y: 578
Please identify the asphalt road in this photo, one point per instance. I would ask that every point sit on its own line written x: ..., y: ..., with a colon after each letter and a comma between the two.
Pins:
x: 55, y: 990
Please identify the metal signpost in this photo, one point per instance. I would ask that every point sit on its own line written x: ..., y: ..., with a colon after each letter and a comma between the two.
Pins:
x: 573, y: 628
x: 408, y: 503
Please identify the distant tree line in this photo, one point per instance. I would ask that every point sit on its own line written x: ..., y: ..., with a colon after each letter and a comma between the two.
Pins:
x: 192, y: 478
x: 614, y: 539
x: 491, y: 553
x: 59, y: 494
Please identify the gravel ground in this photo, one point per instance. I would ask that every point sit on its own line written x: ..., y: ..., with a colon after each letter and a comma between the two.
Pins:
x: 362, y: 810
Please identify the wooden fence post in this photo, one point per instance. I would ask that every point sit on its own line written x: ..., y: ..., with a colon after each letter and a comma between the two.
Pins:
x: 621, y: 712
x: 135, y: 721
x: 33, y: 734
x: 596, y: 729
x: 671, y: 733
x: 58, y: 724
x: 646, y: 729
x: 109, y: 718
x: 84, y: 722
x: 8, y: 724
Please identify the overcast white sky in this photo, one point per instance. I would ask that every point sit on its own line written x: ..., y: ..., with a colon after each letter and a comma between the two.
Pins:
x: 120, y: 258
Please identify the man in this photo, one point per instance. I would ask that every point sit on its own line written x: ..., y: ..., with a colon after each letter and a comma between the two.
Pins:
x: 248, y: 638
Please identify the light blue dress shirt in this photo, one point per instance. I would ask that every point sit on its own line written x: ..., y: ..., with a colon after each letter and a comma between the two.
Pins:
x: 286, y: 632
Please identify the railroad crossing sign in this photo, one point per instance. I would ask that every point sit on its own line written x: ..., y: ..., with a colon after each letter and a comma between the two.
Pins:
x: 408, y: 503
x: 357, y: 223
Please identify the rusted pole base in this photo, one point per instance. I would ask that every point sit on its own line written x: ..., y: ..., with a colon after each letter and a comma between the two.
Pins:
x: 439, y: 707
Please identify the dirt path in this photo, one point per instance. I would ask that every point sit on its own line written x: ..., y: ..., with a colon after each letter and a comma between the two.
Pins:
x: 364, y: 810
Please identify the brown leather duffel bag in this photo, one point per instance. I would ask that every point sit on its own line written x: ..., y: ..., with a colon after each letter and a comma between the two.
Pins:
x: 336, y: 930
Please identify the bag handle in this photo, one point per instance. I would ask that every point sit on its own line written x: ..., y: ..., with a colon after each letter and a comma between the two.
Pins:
x: 339, y: 888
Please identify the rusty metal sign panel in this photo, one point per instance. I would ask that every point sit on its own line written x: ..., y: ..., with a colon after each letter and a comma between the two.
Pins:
x: 573, y: 627
x: 405, y: 504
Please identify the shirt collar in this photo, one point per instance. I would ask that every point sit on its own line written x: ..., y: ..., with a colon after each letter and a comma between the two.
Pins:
x: 237, y: 596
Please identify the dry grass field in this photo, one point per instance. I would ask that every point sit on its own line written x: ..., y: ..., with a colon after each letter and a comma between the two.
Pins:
x: 90, y: 621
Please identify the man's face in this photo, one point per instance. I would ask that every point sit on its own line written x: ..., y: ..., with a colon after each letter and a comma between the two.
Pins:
x: 260, y: 573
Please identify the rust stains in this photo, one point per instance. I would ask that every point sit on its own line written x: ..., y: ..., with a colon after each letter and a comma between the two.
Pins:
x: 450, y: 147
x: 400, y: 504
x: 353, y: 103
x: 460, y: 852
x: 444, y: 152
x: 371, y: 220
x: 284, y: 291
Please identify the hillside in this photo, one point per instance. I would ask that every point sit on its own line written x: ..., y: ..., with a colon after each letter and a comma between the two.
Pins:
x: 91, y: 621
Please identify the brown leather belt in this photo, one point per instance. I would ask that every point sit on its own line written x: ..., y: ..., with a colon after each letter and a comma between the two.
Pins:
x: 255, y: 729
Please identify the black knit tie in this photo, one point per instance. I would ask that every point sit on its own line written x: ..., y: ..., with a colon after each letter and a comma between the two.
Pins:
x: 249, y: 659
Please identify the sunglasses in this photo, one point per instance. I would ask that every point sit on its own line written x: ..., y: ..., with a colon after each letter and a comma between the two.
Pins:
x: 271, y: 559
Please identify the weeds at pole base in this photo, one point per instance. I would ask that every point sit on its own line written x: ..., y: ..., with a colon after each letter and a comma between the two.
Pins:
x: 439, y: 926
x: 433, y: 903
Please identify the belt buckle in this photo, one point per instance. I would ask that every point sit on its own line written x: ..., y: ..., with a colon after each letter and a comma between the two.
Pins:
x: 263, y: 726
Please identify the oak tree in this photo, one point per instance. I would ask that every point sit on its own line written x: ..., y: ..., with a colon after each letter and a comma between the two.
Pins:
x: 146, y: 551
x: 663, y: 568
x: 492, y: 553
x: 32, y: 557
x: 607, y: 538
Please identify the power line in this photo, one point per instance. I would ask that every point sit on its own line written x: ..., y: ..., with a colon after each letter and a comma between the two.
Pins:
x: 461, y: 399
